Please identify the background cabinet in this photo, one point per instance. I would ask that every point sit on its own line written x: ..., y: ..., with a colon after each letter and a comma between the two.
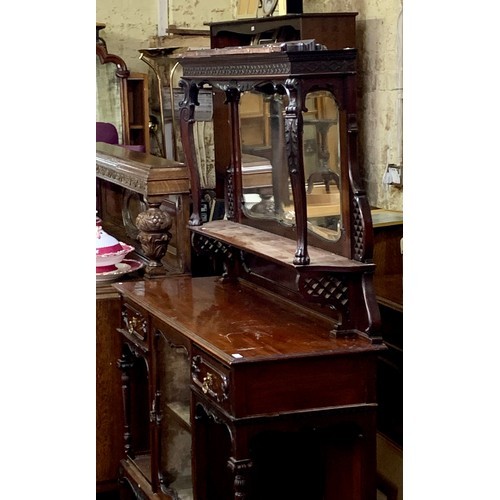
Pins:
x: 138, y: 110
x: 109, y: 414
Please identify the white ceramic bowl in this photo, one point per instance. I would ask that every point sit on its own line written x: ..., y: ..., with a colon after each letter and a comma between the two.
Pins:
x: 108, y: 250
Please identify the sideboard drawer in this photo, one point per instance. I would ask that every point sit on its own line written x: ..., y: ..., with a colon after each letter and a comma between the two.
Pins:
x: 210, y: 377
x: 135, y: 322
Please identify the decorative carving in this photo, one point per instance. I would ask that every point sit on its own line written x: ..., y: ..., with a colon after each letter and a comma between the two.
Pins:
x: 202, y: 411
x: 230, y: 193
x: 134, y: 184
x: 293, y: 142
x: 125, y: 364
x: 136, y: 325
x: 153, y: 226
x: 358, y: 231
x: 214, y: 383
x: 211, y: 246
x: 216, y: 249
x: 186, y: 119
x: 104, y: 57
x: 342, y: 287
x: 127, y: 219
x: 262, y: 69
x: 330, y: 288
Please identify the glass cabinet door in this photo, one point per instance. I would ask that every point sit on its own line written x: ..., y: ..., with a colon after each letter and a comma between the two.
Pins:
x: 174, y: 434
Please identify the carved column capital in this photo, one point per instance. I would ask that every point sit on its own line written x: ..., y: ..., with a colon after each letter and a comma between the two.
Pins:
x: 154, y: 235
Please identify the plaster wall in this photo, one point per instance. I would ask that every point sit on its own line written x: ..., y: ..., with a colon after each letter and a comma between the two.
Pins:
x: 380, y: 90
x: 130, y: 25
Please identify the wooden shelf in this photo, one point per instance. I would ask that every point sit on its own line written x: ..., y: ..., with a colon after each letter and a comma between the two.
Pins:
x: 181, y: 413
x: 275, y: 248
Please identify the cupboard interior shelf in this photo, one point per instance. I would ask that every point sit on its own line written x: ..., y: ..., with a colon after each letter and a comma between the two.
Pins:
x: 180, y: 412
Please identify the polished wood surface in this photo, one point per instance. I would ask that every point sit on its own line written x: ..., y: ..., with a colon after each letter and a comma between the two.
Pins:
x: 208, y: 313
x: 274, y: 247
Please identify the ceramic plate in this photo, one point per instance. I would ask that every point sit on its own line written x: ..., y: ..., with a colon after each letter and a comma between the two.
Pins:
x: 124, y: 267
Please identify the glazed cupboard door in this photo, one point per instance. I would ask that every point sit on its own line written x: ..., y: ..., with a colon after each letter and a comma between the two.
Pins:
x: 171, y: 413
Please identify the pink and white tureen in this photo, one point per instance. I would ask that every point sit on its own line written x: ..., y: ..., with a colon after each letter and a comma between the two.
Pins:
x: 108, y: 250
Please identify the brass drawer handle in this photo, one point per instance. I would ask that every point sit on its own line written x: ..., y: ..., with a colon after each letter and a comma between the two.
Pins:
x: 206, y: 385
x: 133, y: 323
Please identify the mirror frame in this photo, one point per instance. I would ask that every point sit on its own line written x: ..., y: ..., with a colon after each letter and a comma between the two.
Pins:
x: 122, y: 73
x: 294, y: 68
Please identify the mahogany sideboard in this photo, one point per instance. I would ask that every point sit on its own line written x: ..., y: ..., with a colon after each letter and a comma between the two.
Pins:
x: 274, y: 405
x: 265, y: 375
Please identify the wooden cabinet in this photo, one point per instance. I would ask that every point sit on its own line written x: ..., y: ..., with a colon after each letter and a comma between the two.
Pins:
x: 388, y: 282
x: 335, y: 30
x: 257, y: 399
x: 109, y: 414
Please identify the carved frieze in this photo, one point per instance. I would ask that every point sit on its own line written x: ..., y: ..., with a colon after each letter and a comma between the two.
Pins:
x: 122, y: 179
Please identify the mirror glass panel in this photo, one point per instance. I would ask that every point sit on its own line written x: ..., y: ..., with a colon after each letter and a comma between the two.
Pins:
x: 108, y: 96
x: 266, y: 187
x: 267, y: 191
x: 322, y: 164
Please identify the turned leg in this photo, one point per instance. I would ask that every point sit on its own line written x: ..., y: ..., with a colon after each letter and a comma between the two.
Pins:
x: 125, y: 364
x: 241, y: 470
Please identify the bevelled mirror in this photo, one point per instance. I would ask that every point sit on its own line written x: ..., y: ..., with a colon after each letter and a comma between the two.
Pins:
x: 267, y: 192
